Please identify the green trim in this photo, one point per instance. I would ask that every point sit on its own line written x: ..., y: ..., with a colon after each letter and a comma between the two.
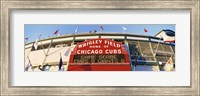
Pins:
x: 145, y: 63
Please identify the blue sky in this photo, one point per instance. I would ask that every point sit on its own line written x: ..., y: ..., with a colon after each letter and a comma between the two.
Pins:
x: 47, y: 30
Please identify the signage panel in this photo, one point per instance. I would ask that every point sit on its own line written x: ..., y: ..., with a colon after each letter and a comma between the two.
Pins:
x: 99, y: 53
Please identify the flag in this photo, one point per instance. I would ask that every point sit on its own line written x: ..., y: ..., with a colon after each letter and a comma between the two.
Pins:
x: 60, y: 63
x: 28, y: 66
x: 56, y: 32
x: 169, y: 65
x: 76, y: 30
x: 95, y: 31
x: 124, y: 28
x: 36, y: 44
x: 145, y: 30
x: 101, y: 27
x: 26, y: 38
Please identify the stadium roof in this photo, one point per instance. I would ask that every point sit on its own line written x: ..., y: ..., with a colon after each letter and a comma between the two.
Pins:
x: 95, y: 34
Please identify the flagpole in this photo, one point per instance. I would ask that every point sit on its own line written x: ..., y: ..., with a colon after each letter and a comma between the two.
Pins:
x: 157, y: 45
x: 26, y: 41
x: 123, y: 29
x: 145, y: 33
x: 36, y: 42
x: 76, y: 30
x: 29, y: 51
x: 145, y: 30
x: 48, y: 49
x: 41, y: 44
x: 101, y: 29
x: 47, y: 53
x: 30, y: 62
x: 33, y: 45
x: 157, y: 48
x: 43, y: 48
x: 56, y: 32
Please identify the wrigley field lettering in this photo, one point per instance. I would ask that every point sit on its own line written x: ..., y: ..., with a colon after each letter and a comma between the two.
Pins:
x: 99, y: 51
x: 99, y: 42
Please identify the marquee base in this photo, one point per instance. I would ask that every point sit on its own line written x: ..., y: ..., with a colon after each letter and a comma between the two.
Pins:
x: 99, y: 68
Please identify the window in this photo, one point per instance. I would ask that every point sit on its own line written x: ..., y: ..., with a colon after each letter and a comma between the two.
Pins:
x: 163, y: 52
x: 169, y: 32
x: 140, y: 50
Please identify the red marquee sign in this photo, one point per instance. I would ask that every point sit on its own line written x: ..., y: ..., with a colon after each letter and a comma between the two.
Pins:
x: 99, y: 55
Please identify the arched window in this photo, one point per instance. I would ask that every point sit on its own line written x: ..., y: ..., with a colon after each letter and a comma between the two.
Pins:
x: 169, y: 33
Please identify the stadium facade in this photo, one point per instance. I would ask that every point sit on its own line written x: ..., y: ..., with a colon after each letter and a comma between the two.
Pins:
x: 99, y: 52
